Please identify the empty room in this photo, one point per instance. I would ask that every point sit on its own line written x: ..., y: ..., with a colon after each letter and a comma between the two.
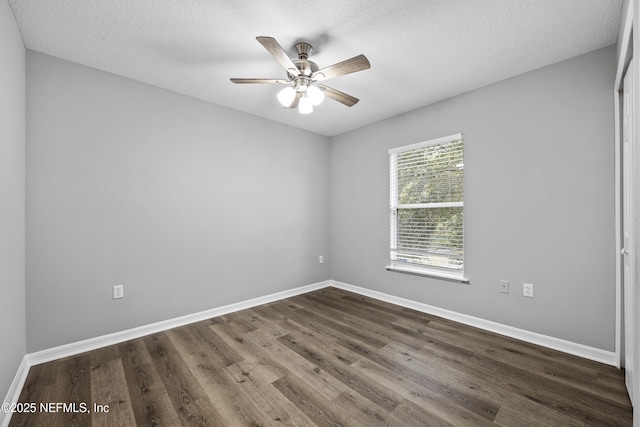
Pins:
x: 341, y: 213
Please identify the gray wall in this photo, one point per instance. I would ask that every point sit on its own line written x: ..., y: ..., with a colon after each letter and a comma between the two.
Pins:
x: 539, y: 201
x: 12, y: 166
x: 190, y: 206
x: 130, y: 184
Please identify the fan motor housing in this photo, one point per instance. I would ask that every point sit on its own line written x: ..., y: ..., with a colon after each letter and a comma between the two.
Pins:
x: 305, y: 67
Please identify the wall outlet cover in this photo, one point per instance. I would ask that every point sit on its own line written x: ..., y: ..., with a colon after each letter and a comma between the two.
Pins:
x: 118, y: 291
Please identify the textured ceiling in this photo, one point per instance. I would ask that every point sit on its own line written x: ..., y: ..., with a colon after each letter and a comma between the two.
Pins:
x: 421, y: 51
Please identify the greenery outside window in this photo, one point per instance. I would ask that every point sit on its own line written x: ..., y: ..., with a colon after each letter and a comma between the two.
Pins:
x: 427, y: 207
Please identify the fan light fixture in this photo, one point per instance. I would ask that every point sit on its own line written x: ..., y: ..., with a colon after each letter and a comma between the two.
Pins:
x: 310, y: 96
x: 304, y: 90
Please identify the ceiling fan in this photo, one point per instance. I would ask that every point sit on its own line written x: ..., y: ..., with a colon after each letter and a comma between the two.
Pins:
x: 303, y: 89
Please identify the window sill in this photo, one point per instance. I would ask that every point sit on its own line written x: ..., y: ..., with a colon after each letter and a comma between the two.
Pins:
x: 429, y: 273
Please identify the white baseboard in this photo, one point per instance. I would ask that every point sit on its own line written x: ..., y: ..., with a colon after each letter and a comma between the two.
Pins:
x: 129, y: 334
x: 15, y: 389
x: 591, y: 353
x: 71, y: 349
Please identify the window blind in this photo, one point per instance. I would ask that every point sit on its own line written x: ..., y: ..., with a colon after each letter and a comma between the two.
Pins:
x: 427, y: 201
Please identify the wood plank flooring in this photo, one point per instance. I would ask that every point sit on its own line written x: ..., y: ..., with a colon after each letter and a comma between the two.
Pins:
x: 326, y: 358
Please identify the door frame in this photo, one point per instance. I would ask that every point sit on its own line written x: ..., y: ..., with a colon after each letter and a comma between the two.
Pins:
x: 628, y: 237
x: 628, y: 48
x: 625, y: 55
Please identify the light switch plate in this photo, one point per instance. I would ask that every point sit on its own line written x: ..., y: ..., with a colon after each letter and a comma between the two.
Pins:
x: 504, y: 287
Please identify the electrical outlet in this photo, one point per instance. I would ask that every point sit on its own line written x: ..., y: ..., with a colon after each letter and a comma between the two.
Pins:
x: 504, y: 287
x: 321, y: 259
x: 527, y: 290
x: 118, y: 291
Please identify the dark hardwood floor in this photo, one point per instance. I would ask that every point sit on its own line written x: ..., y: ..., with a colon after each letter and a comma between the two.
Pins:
x: 330, y: 358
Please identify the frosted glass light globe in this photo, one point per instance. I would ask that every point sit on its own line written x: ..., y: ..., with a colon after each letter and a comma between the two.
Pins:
x: 315, y: 94
x: 286, y: 96
x: 305, y: 106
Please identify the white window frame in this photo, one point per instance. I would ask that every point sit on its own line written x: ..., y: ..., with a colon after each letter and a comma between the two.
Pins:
x: 422, y: 270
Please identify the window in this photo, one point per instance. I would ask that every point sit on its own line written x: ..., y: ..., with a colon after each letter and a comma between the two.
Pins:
x: 427, y: 203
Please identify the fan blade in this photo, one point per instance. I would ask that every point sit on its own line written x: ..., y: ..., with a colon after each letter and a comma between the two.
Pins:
x: 244, y: 81
x: 341, y: 97
x: 278, y: 52
x: 357, y: 63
